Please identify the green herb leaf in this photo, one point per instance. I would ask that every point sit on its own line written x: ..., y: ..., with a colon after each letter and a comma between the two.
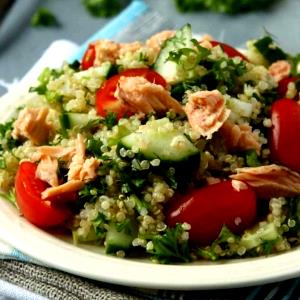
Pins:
x: 43, y: 17
x: 170, y: 246
x: 44, y: 78
x: 110, y: 120
x: 7, y: 142
x: 252, y: 159
x: 189, y: 58
x: 75, y: 65
x: 94, y: 147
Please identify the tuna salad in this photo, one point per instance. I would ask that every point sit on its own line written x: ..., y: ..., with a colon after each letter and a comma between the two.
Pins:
x: 175, y: 149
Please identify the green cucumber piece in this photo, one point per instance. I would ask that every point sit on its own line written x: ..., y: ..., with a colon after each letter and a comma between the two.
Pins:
x: 159, y: 139
x: 80, y: 119
x: 268, y: 232
x: 171, y: 70
x: 120, y: 238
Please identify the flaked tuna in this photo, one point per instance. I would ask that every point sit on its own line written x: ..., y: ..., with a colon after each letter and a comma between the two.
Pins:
x: 140, y: 95
x: 270, y: 181
x: 240, y: 137
x: 206, y: 112
x: 32, y: 124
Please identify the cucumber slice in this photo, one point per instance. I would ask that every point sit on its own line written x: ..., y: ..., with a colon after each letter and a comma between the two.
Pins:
x: 80, y: 119
x: 120, y: 239
x: 268, y: 232
x: 171, y: 70
x: 159, y: 139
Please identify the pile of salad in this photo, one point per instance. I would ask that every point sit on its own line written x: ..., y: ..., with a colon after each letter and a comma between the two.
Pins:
x: 175, y: 149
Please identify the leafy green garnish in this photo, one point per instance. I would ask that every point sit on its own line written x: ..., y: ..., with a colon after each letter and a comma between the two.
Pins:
x: 44, y: 78
x: 252, y: 159
x: 269, y: 49
x: 98, y: 225
x: 75, y: 65
x: 226, y: 71
x: 110, y: 120
x: 91, y: 191
x: 93, y: 146
x: 170, y: 246
x: 104, y: 8
x: 267, y: 246
x: 43, y: 17
x: 64, y: 124
x: 2, y: 162
x: 189, y: 58
x: 7, y: 142
x: 222, y: 6
x: 225, y: 238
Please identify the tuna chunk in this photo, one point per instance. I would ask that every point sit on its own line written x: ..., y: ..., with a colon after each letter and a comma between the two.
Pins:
x: 68, y: 187
x: 32, y: 124
x: 129, y: 47
x: 239, y: 137
x: 146, y: 97
x: 81, y: 168
x: 155, y: 41
x: 47, y: 170
x: 58, y: 152
x: 206, y: 112
x: 106, y: 51
x: 270, y: 181
x: 279, y: 70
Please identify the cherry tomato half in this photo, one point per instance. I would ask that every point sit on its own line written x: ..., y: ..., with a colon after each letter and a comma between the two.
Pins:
x: 88, y: 57
x: 105, y: 96
x: 207, y: 209
x: 229, y: 50
x: 285, y: 142
x: 28, y: 193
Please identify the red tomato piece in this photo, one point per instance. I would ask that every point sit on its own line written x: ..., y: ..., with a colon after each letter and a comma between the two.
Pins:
x: 285, y: 142
x: 105, y: 96
x: 283, y: 85
x: 207, y: 209
x: 88, y: 57
x: 229, y: 50
x: 28, y: 194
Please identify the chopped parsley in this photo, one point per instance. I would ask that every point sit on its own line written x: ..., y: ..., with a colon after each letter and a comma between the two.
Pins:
x: 170, y: 246
x: 41, y: 89
x: 7, y: 142
x: 226, y: 237
x: 189, y: 58
x: 252, y: 159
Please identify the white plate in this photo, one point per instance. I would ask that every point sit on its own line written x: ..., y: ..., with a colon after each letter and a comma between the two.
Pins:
x: 90, y: 261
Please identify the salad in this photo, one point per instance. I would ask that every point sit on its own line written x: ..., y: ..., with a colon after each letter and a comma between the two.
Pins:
x: 175, y: 149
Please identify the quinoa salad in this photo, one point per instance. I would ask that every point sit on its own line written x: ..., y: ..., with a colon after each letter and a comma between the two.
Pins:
x: 175, y: 149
